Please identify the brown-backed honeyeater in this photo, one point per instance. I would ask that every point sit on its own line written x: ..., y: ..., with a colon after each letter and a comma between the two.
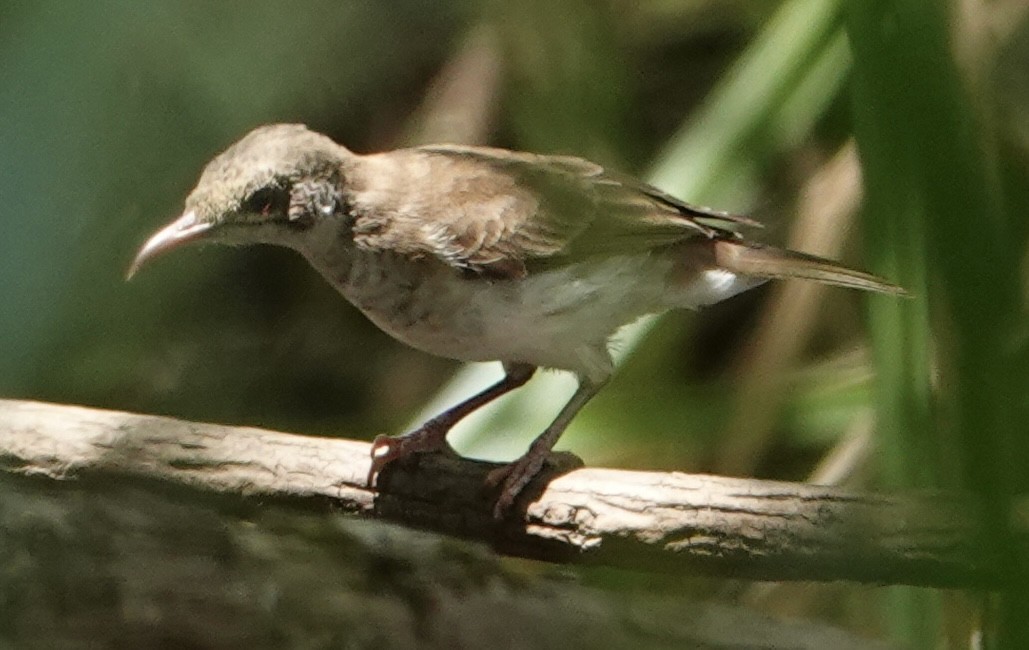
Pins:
x: 484, y: 254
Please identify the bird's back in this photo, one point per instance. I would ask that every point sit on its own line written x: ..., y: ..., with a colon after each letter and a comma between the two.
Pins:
x: 505, y: 213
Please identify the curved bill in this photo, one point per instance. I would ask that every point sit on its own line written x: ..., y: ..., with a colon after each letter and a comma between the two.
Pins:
x: 183, y: 230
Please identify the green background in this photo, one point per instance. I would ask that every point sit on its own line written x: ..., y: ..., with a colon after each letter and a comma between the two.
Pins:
x: 109, y: 110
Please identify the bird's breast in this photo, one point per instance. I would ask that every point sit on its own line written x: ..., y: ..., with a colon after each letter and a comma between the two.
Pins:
x: 558, y: 318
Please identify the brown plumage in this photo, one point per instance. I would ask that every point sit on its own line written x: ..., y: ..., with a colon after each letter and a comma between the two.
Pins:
x: 484, y: 254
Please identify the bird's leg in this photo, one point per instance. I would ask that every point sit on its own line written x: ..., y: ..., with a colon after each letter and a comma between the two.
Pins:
x: 432, y: 436
x: 513, y: 478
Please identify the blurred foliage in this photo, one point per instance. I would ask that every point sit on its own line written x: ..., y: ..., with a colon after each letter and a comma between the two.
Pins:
x: 940, y: 216
x: 108, y: 110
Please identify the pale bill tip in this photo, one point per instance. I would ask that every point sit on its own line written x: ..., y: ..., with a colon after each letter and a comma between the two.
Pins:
x: 184, y: 229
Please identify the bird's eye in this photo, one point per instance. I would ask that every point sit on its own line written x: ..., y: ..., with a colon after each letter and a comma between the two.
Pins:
x: 267, y: 201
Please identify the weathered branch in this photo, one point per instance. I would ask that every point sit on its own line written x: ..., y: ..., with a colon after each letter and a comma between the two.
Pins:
x: 730, y: 527
x: 115, y: 562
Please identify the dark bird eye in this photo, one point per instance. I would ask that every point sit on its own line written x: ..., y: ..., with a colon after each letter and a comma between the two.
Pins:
x: 267, y: 201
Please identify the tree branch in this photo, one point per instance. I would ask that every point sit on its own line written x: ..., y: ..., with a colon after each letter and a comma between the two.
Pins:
x: 117, y: 562
x: 730, y: 527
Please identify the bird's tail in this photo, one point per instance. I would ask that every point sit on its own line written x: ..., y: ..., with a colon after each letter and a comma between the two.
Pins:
x: 777, y: 263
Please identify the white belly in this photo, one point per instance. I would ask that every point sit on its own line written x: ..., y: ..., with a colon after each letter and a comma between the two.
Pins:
x: 561, y: 318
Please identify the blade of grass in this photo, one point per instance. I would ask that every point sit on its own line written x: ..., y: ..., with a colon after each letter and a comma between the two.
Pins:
x: 933, y: 203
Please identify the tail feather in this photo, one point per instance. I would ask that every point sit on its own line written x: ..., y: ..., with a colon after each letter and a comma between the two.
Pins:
x: 777, y: 263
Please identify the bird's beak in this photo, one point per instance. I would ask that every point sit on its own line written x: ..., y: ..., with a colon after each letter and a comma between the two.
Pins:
x: 183, y: 230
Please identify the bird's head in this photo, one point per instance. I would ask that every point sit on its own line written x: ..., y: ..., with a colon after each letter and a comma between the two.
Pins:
x: 278, y: 181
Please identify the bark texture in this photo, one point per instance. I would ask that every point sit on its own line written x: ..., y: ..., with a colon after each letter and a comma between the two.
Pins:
x: 125, y: 530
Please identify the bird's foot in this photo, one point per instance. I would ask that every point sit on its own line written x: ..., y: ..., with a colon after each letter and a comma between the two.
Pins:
x: 513, y: 478
x: 426, y: 438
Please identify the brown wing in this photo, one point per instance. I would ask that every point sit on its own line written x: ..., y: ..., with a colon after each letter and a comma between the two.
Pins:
x: 498, y: 212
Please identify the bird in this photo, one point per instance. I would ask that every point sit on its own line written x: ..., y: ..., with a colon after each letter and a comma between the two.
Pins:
x: 484, y: 254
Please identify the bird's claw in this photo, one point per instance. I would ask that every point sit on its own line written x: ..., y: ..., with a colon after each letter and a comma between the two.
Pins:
x: 513, y: 478
x: 387, y: 449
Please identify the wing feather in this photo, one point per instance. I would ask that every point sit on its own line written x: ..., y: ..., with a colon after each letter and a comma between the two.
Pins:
x: 500, y: 212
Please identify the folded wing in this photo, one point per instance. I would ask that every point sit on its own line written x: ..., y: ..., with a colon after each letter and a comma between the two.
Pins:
x: 502, y: 213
